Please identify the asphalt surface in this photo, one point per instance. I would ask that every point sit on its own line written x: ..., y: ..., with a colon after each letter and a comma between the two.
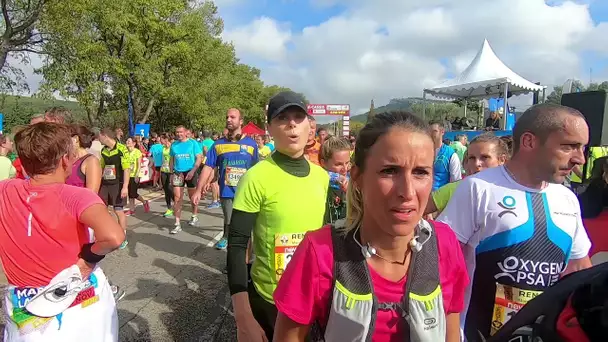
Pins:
x: 175, y: 290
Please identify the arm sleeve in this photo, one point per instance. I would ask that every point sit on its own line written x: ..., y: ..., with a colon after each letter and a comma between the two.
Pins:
x: 461, y: 214
x: 211, y: 157
x: 102, y: 162
x: 455, y: 168
x: 442, y: 196
x: 241, y: 225
x: 137, y: 162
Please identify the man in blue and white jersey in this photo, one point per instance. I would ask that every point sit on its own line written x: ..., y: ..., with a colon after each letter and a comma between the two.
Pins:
x: 231, y: 155
x: 520, y: 229
x: 447, y: 167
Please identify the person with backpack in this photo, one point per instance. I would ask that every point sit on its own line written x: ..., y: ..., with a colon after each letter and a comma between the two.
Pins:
x: 520, y: 228
x: 385, y: 274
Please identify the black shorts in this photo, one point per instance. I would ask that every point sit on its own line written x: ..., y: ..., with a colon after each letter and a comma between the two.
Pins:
x: 191, y: 184
x: 110, y: 194
x: 157, y: 168
x: 133, y: 186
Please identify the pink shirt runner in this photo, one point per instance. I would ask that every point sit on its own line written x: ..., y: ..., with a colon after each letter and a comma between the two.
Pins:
x: 303, y: 293
x: 40, y: 231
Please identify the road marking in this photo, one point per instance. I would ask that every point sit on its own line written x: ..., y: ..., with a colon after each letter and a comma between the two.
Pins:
x: 217, y: 238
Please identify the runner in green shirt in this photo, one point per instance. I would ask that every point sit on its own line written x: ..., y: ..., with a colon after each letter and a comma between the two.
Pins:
x: 485, y: 151
x: 278, y: 200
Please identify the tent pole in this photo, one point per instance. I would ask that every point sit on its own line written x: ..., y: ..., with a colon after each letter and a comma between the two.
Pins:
x: 424, y: 105
x: 505, y: 108
x: 544, y: 95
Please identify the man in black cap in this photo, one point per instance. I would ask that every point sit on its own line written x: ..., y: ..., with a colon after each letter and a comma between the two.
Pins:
x: 279, y: 200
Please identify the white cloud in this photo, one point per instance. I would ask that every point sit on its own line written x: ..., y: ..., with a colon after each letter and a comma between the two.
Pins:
x: 383, y: 49
x: 263, y: 38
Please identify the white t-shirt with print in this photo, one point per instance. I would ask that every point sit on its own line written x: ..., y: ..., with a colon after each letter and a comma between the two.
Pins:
x: 490, y: 213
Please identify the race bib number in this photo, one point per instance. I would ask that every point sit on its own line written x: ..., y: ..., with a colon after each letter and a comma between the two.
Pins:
x: 233, y: 175
x: 165, y: 167
x: 109, y: 172
x: 508, y: 301
x: 284, y: 247
x: 178, y: 180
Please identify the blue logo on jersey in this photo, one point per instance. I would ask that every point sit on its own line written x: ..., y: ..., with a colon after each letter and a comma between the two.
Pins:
x: 508, y: 204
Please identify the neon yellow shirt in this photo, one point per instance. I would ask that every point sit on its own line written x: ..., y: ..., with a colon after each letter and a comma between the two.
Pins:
x: 287, y: 208
x: 594, y: 153
x: 166, y: 160
x: 442, y: 196
x: 7, y: 170
x: 134, y: 161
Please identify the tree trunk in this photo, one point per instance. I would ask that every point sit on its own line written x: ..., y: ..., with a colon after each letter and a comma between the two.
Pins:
x: 148, y: 111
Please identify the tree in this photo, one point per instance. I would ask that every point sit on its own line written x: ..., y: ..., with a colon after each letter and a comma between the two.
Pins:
x: 356, y: 126
x: 19, y: 19
x: 556, y: 95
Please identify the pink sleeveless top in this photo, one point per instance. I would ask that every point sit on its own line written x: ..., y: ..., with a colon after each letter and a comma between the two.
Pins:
x: 78, y: 178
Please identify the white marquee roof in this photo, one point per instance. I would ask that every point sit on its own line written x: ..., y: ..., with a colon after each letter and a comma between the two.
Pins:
x: 484, y: 78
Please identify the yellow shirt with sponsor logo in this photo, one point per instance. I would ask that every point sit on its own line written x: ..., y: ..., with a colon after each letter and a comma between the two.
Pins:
x: 287, y: 208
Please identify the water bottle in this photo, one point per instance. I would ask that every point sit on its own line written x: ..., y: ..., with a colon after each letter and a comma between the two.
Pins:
x: 334, y: 179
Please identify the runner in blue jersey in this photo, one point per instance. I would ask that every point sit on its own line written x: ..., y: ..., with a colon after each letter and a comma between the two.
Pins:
x: 517, y: 240
x: 447, y: 167
x: 232, y: 155
x: 186, y: 157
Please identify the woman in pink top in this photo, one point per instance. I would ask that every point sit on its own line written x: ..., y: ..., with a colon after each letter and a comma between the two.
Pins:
x: 391, y: 180
x: 55, y: 287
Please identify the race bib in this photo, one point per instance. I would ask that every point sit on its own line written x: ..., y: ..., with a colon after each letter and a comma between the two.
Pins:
x: 178, y: 180
x: 284, y: 247
x: 233, y: 175
x: 508, y: 301
x: 165, y: 167
x: 109, y: 172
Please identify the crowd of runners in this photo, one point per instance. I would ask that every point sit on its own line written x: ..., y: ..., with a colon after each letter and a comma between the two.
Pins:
x: 390, y: 235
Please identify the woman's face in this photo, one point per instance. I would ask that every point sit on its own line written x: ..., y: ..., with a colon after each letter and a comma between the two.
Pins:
x: 259, y: 141
x: 339, y: 162
x: 290, y: 131
x: 8, y: 144
x: 130, y: 143
x: 397, y: 181
x: 482, y: 155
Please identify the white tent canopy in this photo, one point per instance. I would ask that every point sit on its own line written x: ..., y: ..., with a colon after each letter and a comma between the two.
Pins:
x: 486, y: 77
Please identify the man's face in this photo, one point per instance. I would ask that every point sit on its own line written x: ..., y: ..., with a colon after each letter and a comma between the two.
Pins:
x: 233, y: 120
x: 322, y: 135
x: 118, y: 133
x: 259, y: 140
x: 464, y: 140
x: 180, y: 132
x: 437, y: 133
x: 562, y: 150
x: 313, y: 130
x: 215, y: 137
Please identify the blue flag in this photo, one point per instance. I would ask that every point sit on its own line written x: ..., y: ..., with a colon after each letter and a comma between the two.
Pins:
x: 131, y: 120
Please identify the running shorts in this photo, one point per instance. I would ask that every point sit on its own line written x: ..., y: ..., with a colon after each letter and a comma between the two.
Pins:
x: 190, y: 184
x: 110, y: 194
x: 133, y: 186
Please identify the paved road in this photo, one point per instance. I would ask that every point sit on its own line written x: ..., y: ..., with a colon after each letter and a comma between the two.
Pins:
x: 174, y: 284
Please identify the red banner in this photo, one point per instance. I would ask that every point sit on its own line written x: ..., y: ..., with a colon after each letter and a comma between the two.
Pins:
x: 329, y: 109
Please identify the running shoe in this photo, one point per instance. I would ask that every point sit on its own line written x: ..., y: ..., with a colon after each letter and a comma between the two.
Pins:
x: 128, y: 212
x: 124, y: 244
x: 168, y: 213
x: 222, y: 244
x: 146, y: 206
x: 214, y: 205
x: 117, y: 292
x: 177, y: 229
x: 193, y: 220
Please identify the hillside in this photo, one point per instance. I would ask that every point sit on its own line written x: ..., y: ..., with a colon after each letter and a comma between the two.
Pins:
x: 18, y: 110
x: 404, y: 104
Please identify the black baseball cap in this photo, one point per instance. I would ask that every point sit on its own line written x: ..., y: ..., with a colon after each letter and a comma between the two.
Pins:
x: 283, y: 100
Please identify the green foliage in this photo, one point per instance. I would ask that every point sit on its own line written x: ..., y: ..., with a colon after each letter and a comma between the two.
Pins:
x: 18, y: 110
x: 556, y: 94
x: 167, y: 53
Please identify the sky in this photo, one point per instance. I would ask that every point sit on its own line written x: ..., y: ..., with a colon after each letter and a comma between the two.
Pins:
x: 353, y: 51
